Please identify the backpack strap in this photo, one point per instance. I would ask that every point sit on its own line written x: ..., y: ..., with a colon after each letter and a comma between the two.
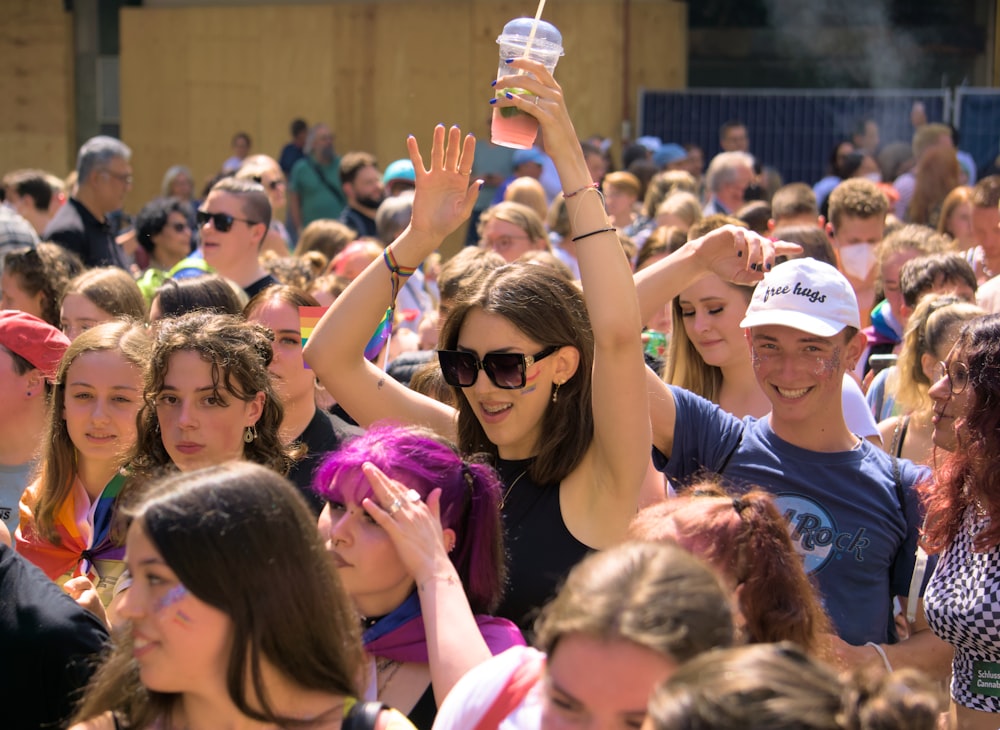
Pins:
x: 518, y: 684
x: 363, y: 716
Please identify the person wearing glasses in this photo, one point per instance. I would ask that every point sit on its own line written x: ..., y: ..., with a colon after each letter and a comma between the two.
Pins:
x: 104, y: 177
x: 233, y: 222
x: 963, y: 521
x: 164, y: 232
x: 266, y: 171
x: 549, y: 380
x: 512, y: 230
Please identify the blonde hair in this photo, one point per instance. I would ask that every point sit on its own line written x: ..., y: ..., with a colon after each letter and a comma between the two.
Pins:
x: 528, y: 191
x: 935, y: 320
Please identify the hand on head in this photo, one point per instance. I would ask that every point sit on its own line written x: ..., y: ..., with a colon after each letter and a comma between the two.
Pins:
x: 740, y: 255
x: 414, y: 526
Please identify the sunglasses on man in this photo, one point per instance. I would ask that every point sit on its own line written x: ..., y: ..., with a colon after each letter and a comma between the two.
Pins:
x: 222, y: 222
x: 506, y: 370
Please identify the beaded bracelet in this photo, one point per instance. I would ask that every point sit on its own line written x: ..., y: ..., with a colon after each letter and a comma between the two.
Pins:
x: 590, y: 186
x: 593, y: 233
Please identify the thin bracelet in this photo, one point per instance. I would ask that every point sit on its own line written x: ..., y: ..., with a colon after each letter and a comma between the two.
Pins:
x: 395, y: 268
x: 881, y: 653
x: 589, y: 186
x: 593, y: 233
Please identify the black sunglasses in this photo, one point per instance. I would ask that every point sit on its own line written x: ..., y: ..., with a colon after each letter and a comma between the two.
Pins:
x: 222, y: 221
x: 506, y: 370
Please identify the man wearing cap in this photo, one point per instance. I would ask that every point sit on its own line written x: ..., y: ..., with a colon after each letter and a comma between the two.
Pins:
x: 398, y: 177
x: 851, y: 509
x: 527, y: 163
x: 362, y: 184
x: 30, y: 351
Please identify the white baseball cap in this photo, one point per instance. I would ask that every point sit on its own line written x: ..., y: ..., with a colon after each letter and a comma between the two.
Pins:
x: 807, y: 295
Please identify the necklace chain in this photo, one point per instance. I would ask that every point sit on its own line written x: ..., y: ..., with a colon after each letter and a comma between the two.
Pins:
x: 503, y: 499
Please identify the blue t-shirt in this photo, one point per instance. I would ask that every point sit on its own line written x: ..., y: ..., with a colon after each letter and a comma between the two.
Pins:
x: 843, y: 509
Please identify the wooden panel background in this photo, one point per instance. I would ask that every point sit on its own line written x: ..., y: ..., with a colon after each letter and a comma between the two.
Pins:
x: 36, y: 86
x: 192, y: 76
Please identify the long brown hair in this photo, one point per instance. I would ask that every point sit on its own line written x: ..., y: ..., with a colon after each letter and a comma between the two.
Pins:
x: 550, y: 310
x: 969, y: 475
x: 241, y: 539
x: 57, y: 465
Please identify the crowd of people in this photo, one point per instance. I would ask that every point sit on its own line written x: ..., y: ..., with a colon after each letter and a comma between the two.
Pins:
x: 665, y: 446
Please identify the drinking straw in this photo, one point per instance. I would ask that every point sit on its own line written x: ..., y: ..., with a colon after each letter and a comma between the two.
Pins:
x: 534, y: 27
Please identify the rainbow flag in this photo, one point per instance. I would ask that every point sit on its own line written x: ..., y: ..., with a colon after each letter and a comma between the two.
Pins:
x: 309, y: 317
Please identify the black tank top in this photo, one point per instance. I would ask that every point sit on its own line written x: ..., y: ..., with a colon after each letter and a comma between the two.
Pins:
x: 540, y: 548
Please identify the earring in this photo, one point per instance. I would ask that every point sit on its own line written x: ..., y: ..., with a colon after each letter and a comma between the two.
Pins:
x: 555, y: 393
x: 249, y: 434
x: 28, y: 394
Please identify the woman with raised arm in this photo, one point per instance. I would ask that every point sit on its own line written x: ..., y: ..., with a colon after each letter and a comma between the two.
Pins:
x: 561, y: 402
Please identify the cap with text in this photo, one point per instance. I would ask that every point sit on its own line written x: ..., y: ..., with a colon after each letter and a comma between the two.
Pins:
x: 807, y: 295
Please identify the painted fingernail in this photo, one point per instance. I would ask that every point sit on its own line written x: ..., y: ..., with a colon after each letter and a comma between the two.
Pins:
x: 509, y: 95
x: 739, y: 254
x: 481, y: 184
x: 494, y: 83
x: 753, y: 267
x: 767, y: 267
x: 509, y: 60
x: 493, y: 100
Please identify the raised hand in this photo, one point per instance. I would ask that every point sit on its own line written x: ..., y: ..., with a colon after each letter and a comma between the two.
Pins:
x: 444, y: 198
x: 545, y: 103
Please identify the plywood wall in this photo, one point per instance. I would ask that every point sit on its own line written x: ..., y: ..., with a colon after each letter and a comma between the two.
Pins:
x: 192, y: 76
x: 36, y: 86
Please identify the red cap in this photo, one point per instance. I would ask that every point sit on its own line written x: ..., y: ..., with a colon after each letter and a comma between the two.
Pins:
x: 35, y: 340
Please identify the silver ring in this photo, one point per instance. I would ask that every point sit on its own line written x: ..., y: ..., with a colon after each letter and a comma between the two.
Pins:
x: 394, y: 507
x: 412, y: 495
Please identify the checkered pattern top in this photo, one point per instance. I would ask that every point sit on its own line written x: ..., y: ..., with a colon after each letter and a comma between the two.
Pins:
x: 962, y: 604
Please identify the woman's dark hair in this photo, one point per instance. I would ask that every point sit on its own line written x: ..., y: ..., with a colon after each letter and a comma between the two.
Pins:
x: 241, y: 539
x: 778, y: 687
x: 153, y: 217
x: 423, y: 461
x: 239, y: 353
x: 549, y: 310
x: 46, y: 269
x: 206, y: 293
x: 969, y: 475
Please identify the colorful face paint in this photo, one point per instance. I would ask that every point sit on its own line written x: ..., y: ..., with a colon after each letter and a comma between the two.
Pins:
x: 530, y: 386
x: 171, y: 597
x: 827, y: 367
